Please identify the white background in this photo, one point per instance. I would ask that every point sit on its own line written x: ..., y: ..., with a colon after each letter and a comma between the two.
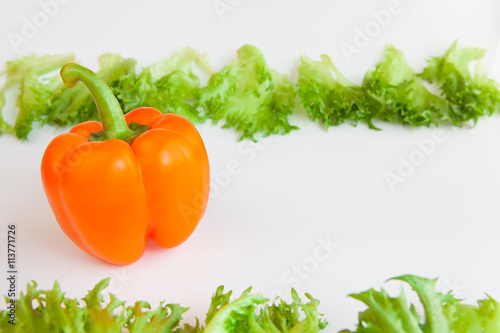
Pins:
x: 292, y: 191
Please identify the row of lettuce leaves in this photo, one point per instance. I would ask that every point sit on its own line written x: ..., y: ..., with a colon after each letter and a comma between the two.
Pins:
x: 51, y: 311
x: 255, y: 100
x: 393, y: 92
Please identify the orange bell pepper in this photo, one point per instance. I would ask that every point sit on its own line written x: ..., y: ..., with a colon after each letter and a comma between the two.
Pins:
x: 113, y: 185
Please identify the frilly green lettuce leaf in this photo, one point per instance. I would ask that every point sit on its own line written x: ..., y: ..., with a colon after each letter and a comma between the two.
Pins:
x: 403, y: 97
x: 470, y: 95
x: 101, y: 316
x: 34, y: 95
x: 249, y: 96
x: 32, y: 102
x: 169, y: 86
x: 232, y: 316
x: 251, y: 313
x: 443, y: 313
x: 333, y: 100
x: 34, y: 64
x: 164, y: 319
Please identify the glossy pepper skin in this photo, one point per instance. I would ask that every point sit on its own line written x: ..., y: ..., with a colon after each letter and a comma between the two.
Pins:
x: 110, y: 196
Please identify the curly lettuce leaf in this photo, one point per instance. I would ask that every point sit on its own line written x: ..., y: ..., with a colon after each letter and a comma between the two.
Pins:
x: 225, y: 316
x: 241, y: 315
x: 24, y: 72
x: 38, y: 64
x: 333, y: 100
x: 51, y: 311
x: 292, y: 317
x: 31, y: 102
x: 403, y: 96
x: 249, y: 96
x: 164, y: 319
x: 470, y: 96
x: 101, y: 316
x: 169, y: 86
x: 180, y: 61
x: 443, y: 313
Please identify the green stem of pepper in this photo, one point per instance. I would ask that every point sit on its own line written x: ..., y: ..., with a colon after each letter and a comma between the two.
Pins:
x: 113, y: 120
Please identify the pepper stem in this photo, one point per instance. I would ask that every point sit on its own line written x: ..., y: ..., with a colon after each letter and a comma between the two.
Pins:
x: 112, y: 118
